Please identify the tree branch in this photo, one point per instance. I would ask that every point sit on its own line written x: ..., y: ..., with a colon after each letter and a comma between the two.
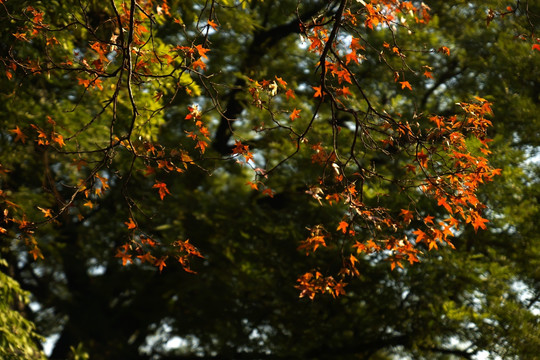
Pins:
x: 262, y: 41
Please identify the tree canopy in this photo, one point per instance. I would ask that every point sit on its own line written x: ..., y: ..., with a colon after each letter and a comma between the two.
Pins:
x: 270, y: 179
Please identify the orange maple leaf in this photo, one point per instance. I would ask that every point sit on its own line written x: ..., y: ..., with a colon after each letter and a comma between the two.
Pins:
x: 344, y: 91
x: 59, y: 139
x: 198, y: 64
x: 428, y: 219
x: 46, y: 212
x: 295, y: 114
x: 104, y: 181
x: 405, y: 84
x: 410, y: 168
x: 160, y: 263
x: 351, y: 57
x: 19, y: 135
x: 442, y: 202
x: 355, y: 44
x: 147, y: 257
x: 422, y: 158
x: 140, y: 29
x: 315, y: 43
x: 213, y: 24
x: 268, y: 192
x: 479, y: 222
x: 453, y: 222
x: 318, y: 91
x: 202, y: 145
x: 204, y: 132
x: 407, y: 215
x: 202, y: 51
x: 36, y: 252
x: 20, y: 36
x: 253, y: 185
x: 124, y: 255
x: 420, y: 235
x: 239, y: 148
x: 148, y: 241
x: 428, y: 74
x: 281, y: 81
x: 439, y: 120
x: 131, y: 224
x: 290, y: 94
x: 446, y: 229
x: 84, y: 82
x: 97, y: 83
x: 444, y: 50
x: 339, y: 289
x: 248, y: 156
x: 162, y: 187
x: 343, y: 225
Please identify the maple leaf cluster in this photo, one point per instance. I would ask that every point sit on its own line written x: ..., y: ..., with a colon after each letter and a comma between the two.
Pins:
x: 443, y: 158
x: 202, y: 136
x: 142, y: 247
x: 455, y: 192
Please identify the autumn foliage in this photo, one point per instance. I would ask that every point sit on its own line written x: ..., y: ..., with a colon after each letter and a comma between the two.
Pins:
x: 128, y: 80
